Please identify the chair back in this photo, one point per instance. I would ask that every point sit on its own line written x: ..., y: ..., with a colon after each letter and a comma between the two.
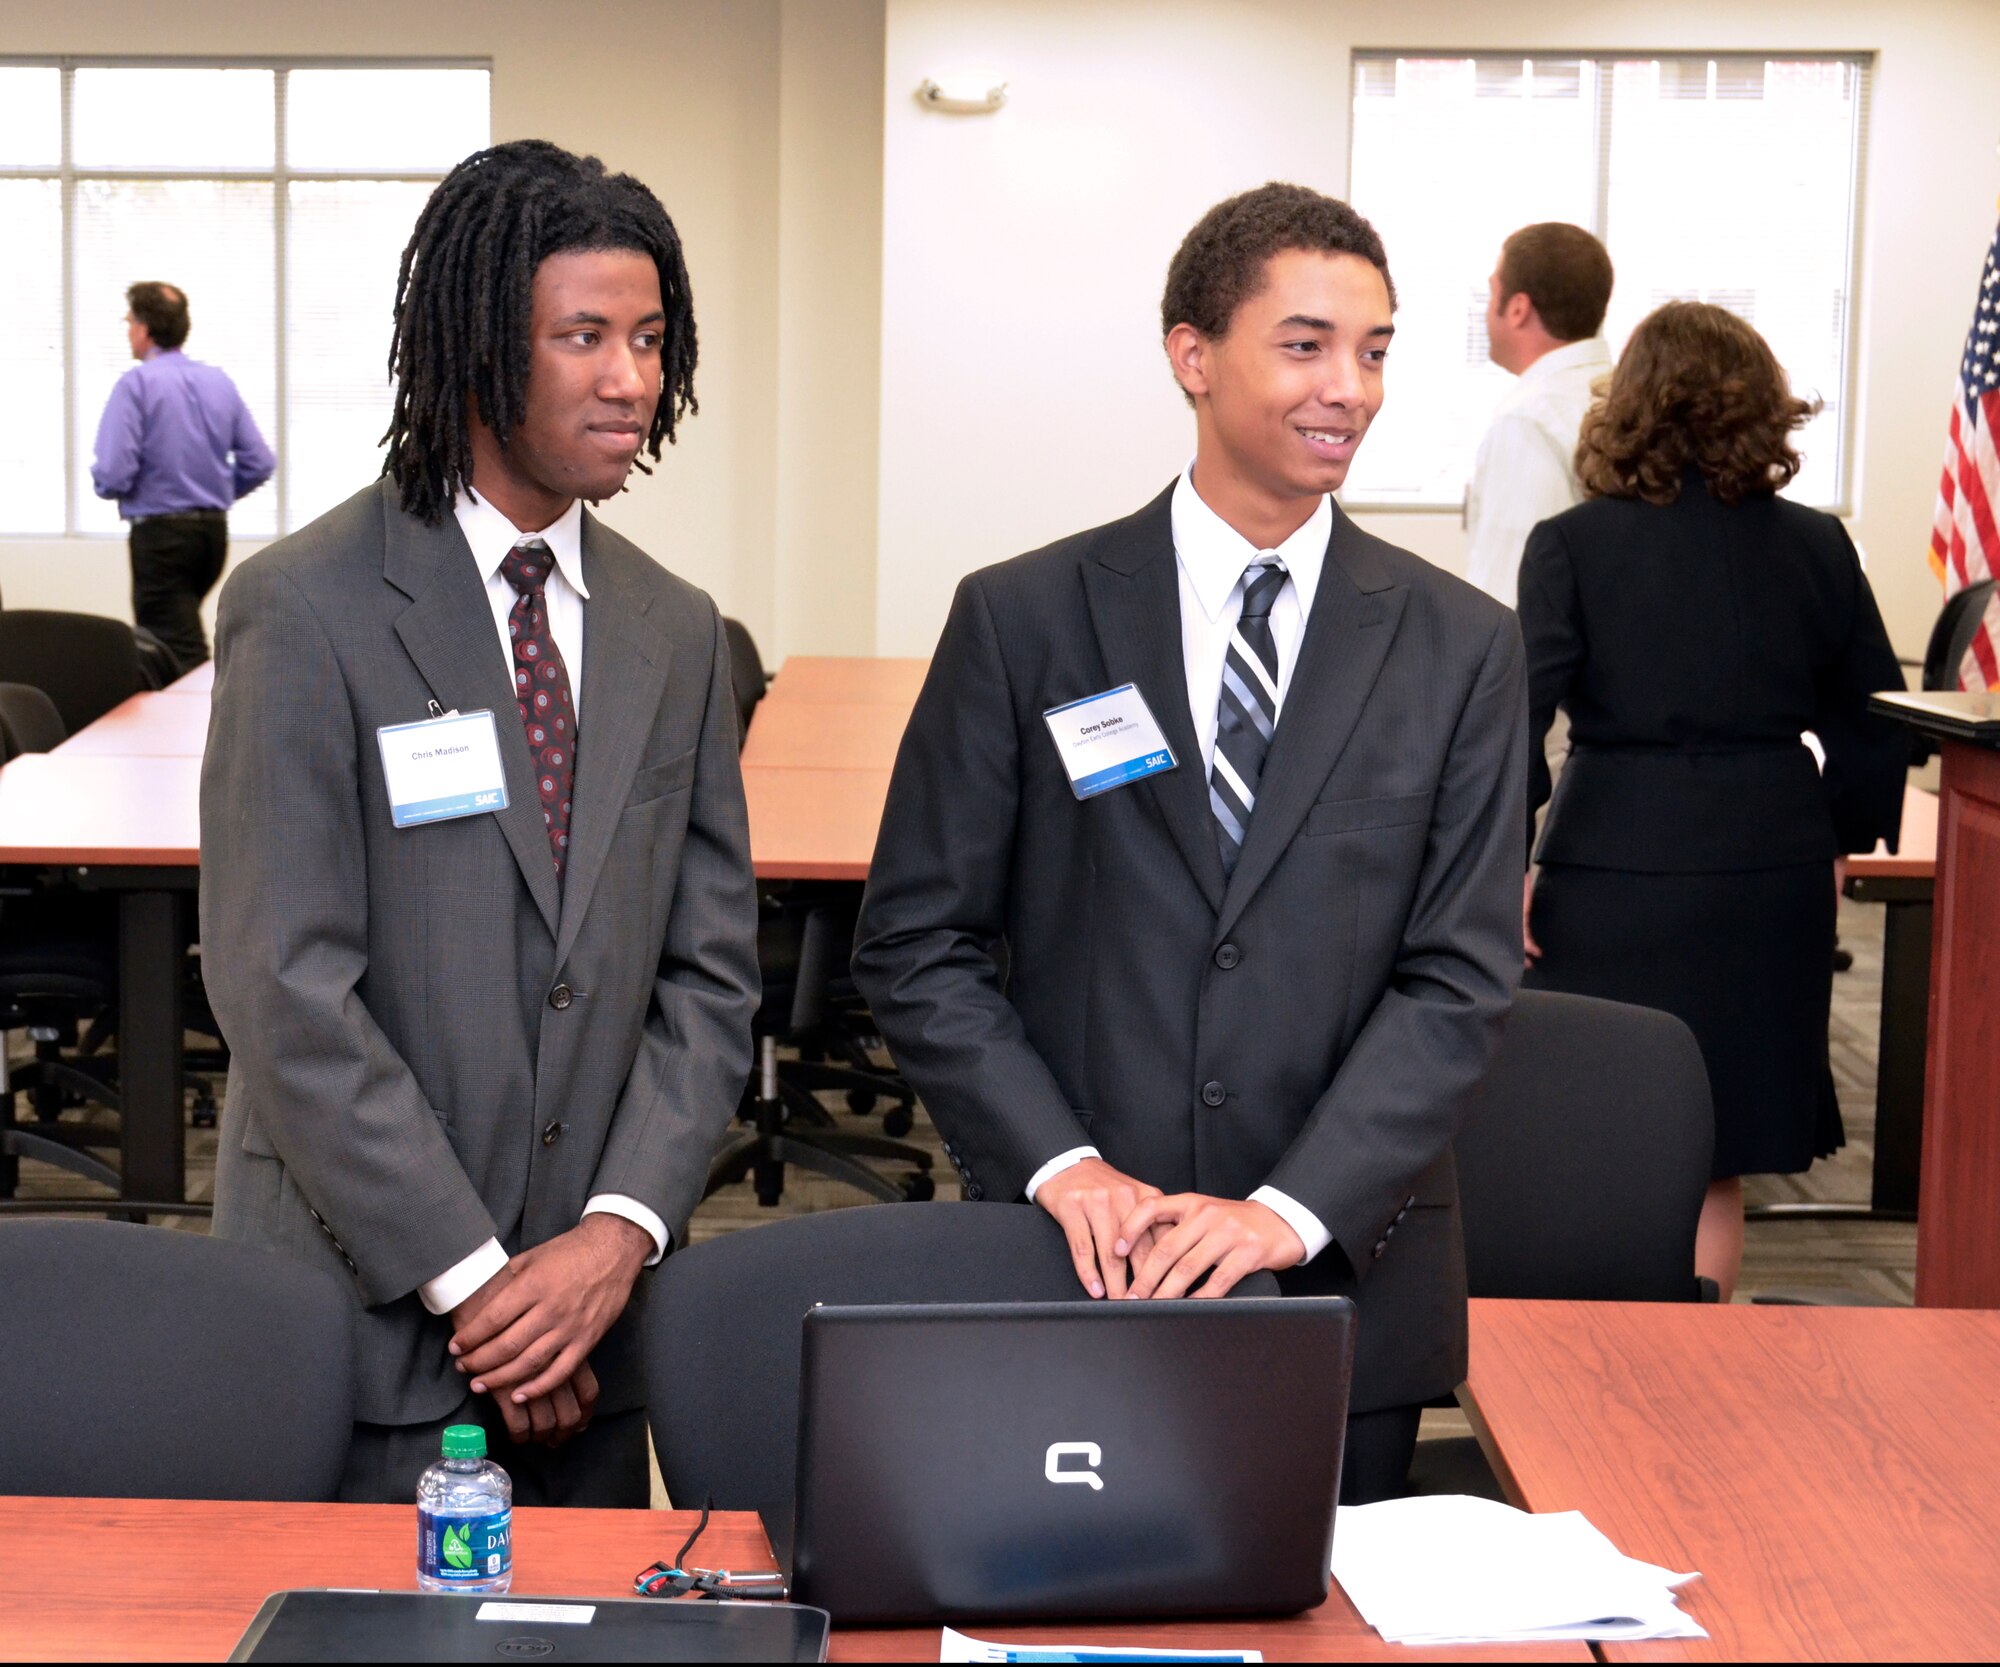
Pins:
x: 29, y: 722
x: 85, y: 663
x: 1584, y: 1156
x: 1951, y: 636
x: 723, y: 1322
x: 154, y: 1364
x: 158, y: 664
x: 746, y: 674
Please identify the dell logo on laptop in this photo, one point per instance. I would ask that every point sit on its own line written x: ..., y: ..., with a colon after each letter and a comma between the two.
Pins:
x: 1091, y: 1454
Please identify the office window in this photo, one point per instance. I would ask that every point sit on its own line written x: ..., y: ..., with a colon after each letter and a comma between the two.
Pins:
x: 1727, y: 179
x: 278, y: 196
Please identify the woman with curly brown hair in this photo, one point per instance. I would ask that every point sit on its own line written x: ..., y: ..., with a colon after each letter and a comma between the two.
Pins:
x: 1692, y: 624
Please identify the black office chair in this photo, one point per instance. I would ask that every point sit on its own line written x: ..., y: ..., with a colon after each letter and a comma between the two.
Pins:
x: 803, y: 944
x: 1582, y: 1162
x: 58, y: 973
x: 85, y: 663
x: 722, y: 1326
x: 1950, y: 639
x: 127, y: 1340
x: 29, y: 721
x: 810, y: 1007
x: 746, y: 674
x: 158, y: 664
x: 1951, y: 635
x: 59, y: 983
x: 1584, y: 1156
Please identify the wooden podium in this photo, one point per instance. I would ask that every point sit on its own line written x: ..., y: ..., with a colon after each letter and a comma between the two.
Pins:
x: 1958, y: 1215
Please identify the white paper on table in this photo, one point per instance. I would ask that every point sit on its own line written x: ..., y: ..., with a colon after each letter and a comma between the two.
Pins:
x: 955, y: 1646
x: 1455, y: 1569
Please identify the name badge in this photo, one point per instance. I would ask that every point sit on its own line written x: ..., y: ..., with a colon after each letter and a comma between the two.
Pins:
x: 438, y: 768
x: 1108, y: 740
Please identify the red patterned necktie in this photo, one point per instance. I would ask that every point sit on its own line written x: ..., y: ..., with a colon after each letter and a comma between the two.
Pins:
x: 541, y: 688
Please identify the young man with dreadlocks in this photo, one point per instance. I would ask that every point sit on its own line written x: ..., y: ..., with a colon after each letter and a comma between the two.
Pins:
x: 480, y: 1059
x: 1252, y: 979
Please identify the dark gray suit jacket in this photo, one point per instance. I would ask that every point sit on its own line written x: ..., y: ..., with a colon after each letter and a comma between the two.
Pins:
x: 1312, y: 1024
x: 430, y: 1045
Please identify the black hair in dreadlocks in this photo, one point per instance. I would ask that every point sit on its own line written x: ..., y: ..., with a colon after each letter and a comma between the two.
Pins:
x: 463, y: 303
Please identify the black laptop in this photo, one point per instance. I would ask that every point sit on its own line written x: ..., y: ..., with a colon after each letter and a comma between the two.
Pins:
x: 425, y: 1626
x: 1069, y: 1460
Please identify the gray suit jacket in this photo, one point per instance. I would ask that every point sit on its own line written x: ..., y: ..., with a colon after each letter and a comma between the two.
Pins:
x: 1312, y: 1023
x: 431, y: 1045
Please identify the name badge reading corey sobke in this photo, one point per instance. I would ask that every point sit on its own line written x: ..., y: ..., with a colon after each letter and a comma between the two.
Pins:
x: 1108, y: 740
x: 438, y: 768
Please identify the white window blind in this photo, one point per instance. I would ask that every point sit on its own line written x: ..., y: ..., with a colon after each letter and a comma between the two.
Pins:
x: 278, y: 196
x: 1728, y: 179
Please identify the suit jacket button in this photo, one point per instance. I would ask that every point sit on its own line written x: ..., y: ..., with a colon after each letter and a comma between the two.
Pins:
x: 1227, y: 956
x: 974, y: 1191
x: 1213, y: 1093
x: 560, y: 997
x: 552, y: 1134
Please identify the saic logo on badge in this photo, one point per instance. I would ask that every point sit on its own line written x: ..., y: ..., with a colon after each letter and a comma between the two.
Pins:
x: 1091, y: 1454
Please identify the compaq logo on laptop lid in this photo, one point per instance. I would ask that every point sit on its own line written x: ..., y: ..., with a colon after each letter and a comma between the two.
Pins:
x: 1091, y: 1454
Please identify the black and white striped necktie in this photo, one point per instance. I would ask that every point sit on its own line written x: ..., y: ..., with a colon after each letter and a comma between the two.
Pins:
x: 1247, y: 712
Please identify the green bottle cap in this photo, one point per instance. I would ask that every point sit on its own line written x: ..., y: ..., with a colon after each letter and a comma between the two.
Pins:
x: 465, y: 1441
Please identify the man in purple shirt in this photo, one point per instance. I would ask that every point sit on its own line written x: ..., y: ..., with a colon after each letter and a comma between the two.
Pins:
x: 176, y: 447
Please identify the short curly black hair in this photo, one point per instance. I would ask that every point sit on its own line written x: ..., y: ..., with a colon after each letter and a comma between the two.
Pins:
x: 464, y: 298
x: 1220, y: 264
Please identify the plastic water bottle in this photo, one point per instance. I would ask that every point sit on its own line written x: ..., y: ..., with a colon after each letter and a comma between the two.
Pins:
x: 465, y: 1518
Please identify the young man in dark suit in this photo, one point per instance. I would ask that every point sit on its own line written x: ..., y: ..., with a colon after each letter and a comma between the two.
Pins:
x: 480, y: 1061
x: 1245, y: 994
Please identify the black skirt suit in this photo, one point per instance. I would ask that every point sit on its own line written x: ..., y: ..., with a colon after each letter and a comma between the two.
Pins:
x: 1686, y: 863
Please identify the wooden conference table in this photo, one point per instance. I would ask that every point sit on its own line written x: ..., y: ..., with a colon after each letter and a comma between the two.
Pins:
x: 816, y: 764
x: 1830, y: 1472
x: 1902, y: 884
x: 116, y: 808
x: 161, y: 1580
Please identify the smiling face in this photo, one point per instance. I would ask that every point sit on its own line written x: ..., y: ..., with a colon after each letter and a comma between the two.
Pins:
x: 596, y: 329
x: 1284, y: 398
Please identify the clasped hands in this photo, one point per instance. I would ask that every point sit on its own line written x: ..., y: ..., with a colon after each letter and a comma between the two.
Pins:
x: 1115, y: 1223
x: 525, y: 1336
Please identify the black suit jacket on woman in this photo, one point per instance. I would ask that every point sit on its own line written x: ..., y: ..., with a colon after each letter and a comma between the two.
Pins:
x: 1313, y: 1022
x: 1691, y: 643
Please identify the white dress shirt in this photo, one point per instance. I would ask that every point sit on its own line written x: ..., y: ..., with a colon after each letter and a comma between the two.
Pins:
x: 491, y: 535
x: 1211, y: 556
x: 1526, y: 468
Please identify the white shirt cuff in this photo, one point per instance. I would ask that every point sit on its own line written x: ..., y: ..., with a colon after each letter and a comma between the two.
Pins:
x: 617, y: 1204
x: 444, y: 1293
x: 1057, y: 1164
x: 1310, y: 1229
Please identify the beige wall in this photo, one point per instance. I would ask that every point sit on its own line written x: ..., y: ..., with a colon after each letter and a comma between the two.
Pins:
x: 928, y: 342
x: 1023, y: 394
x: 682, y: 93
x: 825, y: 413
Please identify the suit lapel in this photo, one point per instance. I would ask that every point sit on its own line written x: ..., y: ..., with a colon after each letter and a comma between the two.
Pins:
x: 1133, y: 590
x: 448, y: 631
x: 1354, y: 617
x: 624, y: 673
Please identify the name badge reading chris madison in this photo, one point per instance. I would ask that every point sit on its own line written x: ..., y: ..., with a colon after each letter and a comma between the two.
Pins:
x: 1108, y: 740
x: 438, y: 768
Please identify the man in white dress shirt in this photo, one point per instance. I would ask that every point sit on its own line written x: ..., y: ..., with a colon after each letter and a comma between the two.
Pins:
x: 487, y: 1029
x: 1221, y: 1016
x: 1544, y: 310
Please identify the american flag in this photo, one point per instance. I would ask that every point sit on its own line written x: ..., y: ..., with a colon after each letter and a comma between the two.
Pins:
x: 1965, y: 538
